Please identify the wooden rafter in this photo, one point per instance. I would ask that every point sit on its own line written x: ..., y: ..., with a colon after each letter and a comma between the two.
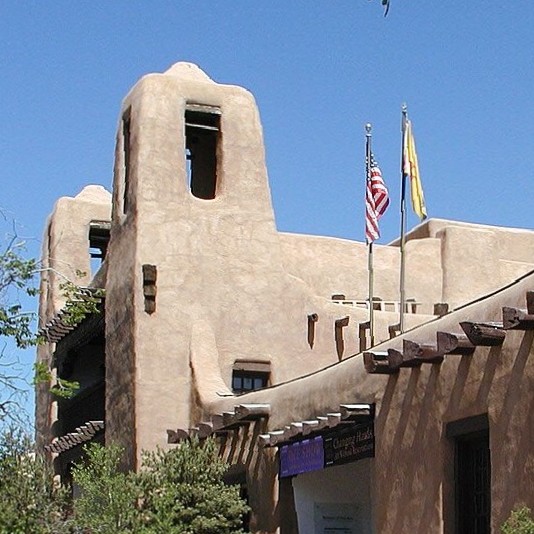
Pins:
x: 426, y: 353
x: 449, y: 343
x: 484, y: 334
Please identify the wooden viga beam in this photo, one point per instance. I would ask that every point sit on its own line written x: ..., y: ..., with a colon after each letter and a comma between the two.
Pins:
x: 177, y: 436
x: 517, y: 319
x: 425, y: 353
x: 449, y: 343
x: 356, y: 411
x: 378, y: 363
x: 484, y: 334
x: 205, y: 429
x: 398, y: 358
x: 252, y: 412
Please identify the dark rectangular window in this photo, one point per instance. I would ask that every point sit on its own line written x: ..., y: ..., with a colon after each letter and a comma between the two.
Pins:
x: 248, y: 375
x: 248, y: 381
x: 472, y: 477
x: 202, y: 129
x: 99, y: 232
x: 126, y: 124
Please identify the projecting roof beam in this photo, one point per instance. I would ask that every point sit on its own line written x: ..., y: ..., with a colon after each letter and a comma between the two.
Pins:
x: 356, y: 411
x: 378, y: 363
x: 264, y: 440
x: 308, y: 427
x: 484, y: 334
x: 397, y: 359
x: 252, y: 412
x: 333, y: 419
x: 177, y: 436
x: 275, y: 437
x: 426, y: 353
x: 449, y: 343
x: 516, y: 319
x: 205, y: 429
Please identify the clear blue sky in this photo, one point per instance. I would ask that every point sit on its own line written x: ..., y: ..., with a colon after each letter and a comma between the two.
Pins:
x: 319, y: 71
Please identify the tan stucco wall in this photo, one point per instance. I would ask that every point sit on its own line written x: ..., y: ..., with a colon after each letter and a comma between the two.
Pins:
x: 229, y: 286
x: 65, y: 252
x: 413, y: 468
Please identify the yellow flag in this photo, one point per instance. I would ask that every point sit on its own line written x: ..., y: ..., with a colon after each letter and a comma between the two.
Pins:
x: 411, y: 169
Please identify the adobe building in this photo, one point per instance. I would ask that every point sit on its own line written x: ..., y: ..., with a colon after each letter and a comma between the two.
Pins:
x: 211, y: 322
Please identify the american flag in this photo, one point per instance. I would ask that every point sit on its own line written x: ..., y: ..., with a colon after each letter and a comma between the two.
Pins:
x: 376, y: 201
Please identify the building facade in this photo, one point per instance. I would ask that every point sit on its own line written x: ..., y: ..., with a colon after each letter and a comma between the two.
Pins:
x: 211, y: 322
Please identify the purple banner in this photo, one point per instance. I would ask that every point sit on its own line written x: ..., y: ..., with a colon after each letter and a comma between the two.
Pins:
x: 301, y: 457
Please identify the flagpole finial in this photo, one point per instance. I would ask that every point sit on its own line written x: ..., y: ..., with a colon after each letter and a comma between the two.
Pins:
x: 368, y: 128
x: 404, y: 108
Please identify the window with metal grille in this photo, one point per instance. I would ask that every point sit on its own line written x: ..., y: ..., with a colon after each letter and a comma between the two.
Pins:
x: 472, y: 477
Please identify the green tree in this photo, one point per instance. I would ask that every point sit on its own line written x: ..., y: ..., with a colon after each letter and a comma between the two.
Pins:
x: 519, y: 522
x: 107, y: 502
x: 184, y: 492
x: 178, y: 491
x: 29, y: 500
x: 16, y: 276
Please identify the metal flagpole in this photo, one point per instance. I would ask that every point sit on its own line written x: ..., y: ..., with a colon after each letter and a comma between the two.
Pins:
x: 370, y: 245
x: 403, y: 220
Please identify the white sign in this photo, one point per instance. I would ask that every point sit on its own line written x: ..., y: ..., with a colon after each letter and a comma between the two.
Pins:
x: 336, y: 518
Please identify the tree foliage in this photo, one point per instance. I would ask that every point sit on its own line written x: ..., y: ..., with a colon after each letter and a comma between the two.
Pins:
x: 29, y: 501
x: 519, y: 522
x: 179, y: 491
x: 16, y: 283
x: 107, y: 502
x: 183, y: 492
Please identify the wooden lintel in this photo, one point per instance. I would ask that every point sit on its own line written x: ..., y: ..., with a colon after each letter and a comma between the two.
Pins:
x: 516, y: 319
x: 484, y: 334
x: 397, y: 359
x: 176, y: 436
x: 530, y: 302
x: 426, y: 353
x: 378, y: 363
x: 205, y: 429
x: 252, y: 411
x: 449, y: 343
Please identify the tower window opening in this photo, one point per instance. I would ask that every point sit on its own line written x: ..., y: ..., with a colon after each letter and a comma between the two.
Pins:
x: 202, y: 134
x: 126, y: 134
x: 99, y: 232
